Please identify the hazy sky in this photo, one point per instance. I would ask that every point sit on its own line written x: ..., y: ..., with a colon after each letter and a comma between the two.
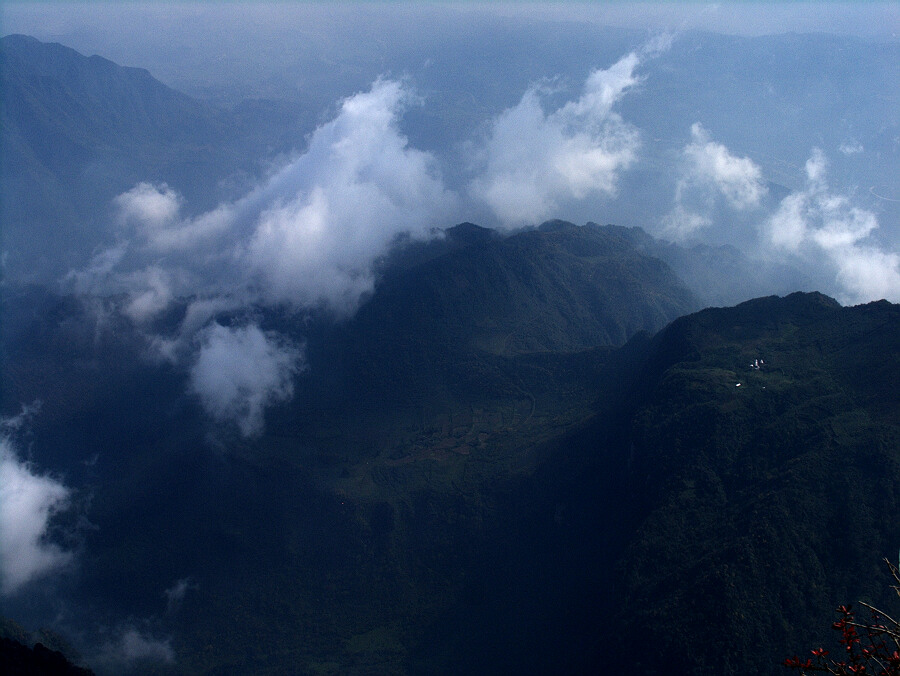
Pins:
x: 867, y: 19
x: 131, y: 20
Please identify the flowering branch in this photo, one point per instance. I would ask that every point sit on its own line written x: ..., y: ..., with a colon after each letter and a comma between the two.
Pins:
x: 865, y: 649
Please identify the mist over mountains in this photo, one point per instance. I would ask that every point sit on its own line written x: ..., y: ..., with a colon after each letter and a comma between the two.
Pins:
x: 274, y: 403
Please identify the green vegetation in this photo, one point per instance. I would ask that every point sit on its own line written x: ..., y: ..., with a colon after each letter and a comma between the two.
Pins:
x: 433, y: 503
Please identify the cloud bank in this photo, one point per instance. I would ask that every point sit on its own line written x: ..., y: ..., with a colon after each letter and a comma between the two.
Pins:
x: 240, y: 371
x: 820, y: 224
x: 532, y: 161
x: 27, y: 502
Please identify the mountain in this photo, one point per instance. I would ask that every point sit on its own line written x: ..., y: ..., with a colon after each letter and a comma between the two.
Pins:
x: 559, y: 288
x: 712, y: 515
x: 766, y: 490
x: 77, y: 131
x: 523, y: 453
x: 16, y: 658
x: 498, y: 511
x: 411, y: 411
x: 718, y: 275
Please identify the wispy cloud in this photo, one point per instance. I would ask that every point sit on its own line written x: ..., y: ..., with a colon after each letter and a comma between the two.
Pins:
x: 240, y: 371
x: 818, y: 223
x: 851, y: 147
x: 28, y: 500
x: 23, y: 417
x: 532, y: 161
x: 708, y: 172
x: 308, y: 235
x: 133, y: 646
x: 681, y: 223
x: 176, y: 593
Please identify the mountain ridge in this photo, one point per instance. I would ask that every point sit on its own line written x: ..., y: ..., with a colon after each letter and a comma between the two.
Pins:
x: 78, y: 131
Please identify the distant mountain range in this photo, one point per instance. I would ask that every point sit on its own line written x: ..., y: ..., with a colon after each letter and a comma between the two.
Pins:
x: 77, y: 131
x: 525, y: 453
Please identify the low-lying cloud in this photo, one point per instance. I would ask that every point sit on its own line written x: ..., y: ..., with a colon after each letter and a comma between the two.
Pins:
x: 711, y: 164
x: 28, y: 500
x: 708, y: 171
x: 532, y: 161
x: 338, y: 208
x: 136, y: 646
x: 240, y: 371
x: 308, y: 235
x: 819, y: 224
x: 131, y: 648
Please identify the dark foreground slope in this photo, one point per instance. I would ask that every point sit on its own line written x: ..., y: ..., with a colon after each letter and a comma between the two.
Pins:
x: 357, y: 518
x: 697, y: 526
x: 628, y: 511
x: 761, y: 498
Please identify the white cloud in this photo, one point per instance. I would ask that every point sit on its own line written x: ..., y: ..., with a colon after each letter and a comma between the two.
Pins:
x: 869, y: 274
x: 308, y: 235
x: 198, y: 314
x: 787, y: 226
x: 326, y: 217
x: 851, y: 147
x: 816, y: 169
x: 532, y: 161
x: 681, y: 223
x: 133, y: 646
x: 820, y: 224
x: 708, y: 174
x: 153, y: 213
x: 27, y: 502
x: 148, y: 206
x: 710, y: 164
x: 150, y: 292
x: 241, y: 371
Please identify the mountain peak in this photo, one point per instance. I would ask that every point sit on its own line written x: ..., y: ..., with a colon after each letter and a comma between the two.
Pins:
x: 470, y: 233
x: 555, y: 225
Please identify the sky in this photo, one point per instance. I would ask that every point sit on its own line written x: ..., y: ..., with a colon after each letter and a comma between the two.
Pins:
x: 879, y: 20
x: 187, y: 45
